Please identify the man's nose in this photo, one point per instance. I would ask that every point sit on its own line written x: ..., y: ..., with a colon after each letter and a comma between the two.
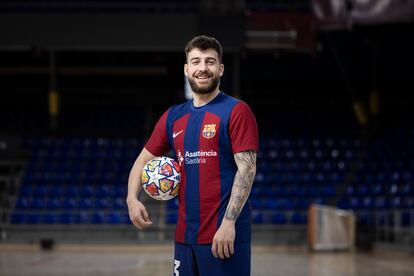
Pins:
x: 203, y: 66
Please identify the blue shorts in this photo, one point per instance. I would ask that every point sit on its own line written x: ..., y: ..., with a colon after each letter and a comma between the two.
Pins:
x: 197, y: 260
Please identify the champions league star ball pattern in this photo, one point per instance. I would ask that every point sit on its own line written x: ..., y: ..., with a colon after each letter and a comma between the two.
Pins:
x: 161, y: 178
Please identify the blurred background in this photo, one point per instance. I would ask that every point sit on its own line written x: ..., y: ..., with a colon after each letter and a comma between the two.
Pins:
x: 82, y: 83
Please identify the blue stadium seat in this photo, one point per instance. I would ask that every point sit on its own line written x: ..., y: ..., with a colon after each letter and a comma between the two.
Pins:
x: 113, y: 218
x: 257, y: 217
x: 104, y: 191
x: 344, y: 203
x: 171, y: 218
x: 72, y: 191
x: 382, y: 203
x: 172, y: 204
x: 279, y: 218
x: 257, y: 203
x: 119, y: 203
x: 363, y: 190
x: 120, y: 190
x: 85, y: 218
x: 22, y: 203
x: 355, y: 203
x: 40, y: 191
x: 56, y: 191
x: 65, y: 218
x: 17, y: 218
x: 97, y: 218
x: 37, y: 204
x: 87, y: 191
x: 298, y: 218
x: 396, y: 203
x: 378, y: 190
x: 328, y: 191
x: 408, y: 202
x: 101, y: 203
x: 48, y: 219
x: 367, y: 203
x: 298, y: 191
x: 26, y: 191
x: 53, y: 203
x: 85, y: 203
x: 69, y: 203
x: 407, y: 189
x: 303, y: 203
x: 32, y: 219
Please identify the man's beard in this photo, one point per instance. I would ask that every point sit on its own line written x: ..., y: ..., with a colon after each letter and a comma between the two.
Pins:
x: 204, y: 89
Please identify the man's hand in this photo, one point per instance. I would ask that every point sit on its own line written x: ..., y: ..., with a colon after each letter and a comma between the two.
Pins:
x: 223, y: 241
x: 138, y: 214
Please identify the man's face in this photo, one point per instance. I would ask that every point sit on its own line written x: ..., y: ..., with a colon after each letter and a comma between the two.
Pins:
x: 203, y: 70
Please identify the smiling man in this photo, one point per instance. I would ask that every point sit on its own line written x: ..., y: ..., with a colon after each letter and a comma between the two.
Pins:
x: 215, y: 139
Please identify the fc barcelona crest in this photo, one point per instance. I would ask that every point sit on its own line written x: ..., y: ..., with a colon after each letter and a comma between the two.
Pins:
x: 209, y: 131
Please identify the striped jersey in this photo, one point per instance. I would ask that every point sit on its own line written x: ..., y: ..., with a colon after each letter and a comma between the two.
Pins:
x: 204, y: 140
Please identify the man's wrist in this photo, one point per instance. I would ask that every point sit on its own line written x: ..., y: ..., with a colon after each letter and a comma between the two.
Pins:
x: 228, y: 221
x: 131, y: 198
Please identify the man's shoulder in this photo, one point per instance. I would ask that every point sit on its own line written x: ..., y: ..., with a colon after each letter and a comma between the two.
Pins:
x: 179, y: 109
x: 235, y: 104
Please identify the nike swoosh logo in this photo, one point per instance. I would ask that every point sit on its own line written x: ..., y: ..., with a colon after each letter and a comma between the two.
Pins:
x: 176, y: 134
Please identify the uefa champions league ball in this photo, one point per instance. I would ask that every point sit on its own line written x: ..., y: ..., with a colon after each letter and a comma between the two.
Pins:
x: 161, y: 178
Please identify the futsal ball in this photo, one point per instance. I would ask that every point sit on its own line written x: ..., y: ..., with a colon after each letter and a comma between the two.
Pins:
x: 161, y: 178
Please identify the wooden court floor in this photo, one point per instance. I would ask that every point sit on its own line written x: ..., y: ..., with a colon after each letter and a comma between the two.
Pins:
x: 154, y: 260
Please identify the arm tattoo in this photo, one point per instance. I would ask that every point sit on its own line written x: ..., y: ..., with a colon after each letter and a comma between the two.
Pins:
x: 242, y: 184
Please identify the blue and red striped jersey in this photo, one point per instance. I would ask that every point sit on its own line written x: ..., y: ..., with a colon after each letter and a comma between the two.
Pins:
x: 204, y: 140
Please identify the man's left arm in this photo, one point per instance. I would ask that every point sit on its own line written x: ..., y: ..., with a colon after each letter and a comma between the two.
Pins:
x: 223, y: 241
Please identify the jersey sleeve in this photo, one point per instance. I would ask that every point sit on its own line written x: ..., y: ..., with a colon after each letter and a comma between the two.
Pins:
x: 158, y: 144
x: 243, y: 129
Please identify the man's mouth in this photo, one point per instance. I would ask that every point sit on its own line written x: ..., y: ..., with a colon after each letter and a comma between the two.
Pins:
x: 202, y: 77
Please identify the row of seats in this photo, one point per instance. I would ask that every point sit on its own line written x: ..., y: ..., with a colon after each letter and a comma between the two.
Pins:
x: 68, y: 191
x: 395, y: 203
x: 380, y: 189
x: 275, y: 191
x: 291, y: 174
x: 113, y: 217
x: 69, y: 203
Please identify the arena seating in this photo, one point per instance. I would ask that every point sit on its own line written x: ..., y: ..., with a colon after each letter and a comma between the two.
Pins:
x: 83, y: 181
x: 75, y: 181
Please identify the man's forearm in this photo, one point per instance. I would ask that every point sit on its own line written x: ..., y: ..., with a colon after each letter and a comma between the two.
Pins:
x: 242, y: 184
x: 134, y: 180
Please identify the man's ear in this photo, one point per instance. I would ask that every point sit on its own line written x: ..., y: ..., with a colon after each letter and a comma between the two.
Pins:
x: 185, y: 69
x: 221, y: 69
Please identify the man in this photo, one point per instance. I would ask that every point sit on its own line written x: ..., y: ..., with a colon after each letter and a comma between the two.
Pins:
x: 215, y: 139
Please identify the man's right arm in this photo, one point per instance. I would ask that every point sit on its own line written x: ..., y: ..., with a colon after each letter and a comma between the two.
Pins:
x: 137, y: 212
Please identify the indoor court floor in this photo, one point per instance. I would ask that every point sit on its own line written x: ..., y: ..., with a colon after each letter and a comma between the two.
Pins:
x: 154, y: 260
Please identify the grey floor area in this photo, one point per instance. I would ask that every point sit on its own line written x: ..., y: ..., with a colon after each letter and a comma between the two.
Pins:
x: 154, y: 260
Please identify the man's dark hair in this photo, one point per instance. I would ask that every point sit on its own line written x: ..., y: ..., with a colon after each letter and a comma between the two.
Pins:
x: 203, y: 43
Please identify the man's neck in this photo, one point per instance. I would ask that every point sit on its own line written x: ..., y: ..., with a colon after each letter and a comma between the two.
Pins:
x: 203, y: 99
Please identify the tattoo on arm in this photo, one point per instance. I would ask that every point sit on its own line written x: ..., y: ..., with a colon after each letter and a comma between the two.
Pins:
x: 242, y: 184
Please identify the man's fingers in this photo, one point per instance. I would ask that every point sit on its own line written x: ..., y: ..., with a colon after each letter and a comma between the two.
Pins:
x: 231, y: 247
x: 144, y: 223
x: 145, y: 214
x: 214, y: 249
x: 226, y: 250
x: 220, y: 250
x: 136, y: 224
